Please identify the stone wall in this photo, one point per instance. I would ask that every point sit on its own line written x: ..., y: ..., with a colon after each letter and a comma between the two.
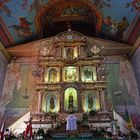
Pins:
x: 121, y: 78
x: 135, y: 60
x: 3, y: 67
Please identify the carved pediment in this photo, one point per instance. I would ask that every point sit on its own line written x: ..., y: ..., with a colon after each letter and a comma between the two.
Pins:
x: 69, y: 46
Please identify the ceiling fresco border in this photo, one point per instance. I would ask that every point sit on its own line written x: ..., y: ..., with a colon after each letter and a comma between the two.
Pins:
x: 136, y: 4
x: 135, y: 30
x: 5, y: 52
x: 134, y: 48
x: 5, y: 35
x: 85, y: 3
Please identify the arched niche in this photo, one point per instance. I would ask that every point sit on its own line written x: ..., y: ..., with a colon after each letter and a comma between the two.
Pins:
x: 91, y: 101
x: 89, y: 74
x: 61, y: 6
x: 52, y: 75
x: 70, y: 99
x: 51, y: 102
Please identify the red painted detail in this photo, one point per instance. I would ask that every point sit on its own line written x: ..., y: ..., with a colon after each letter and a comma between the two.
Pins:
x: 4, y: 38
x: 135, y: 33
x: 5, y: 34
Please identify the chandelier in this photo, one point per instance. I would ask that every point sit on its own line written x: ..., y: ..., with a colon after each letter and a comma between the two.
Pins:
x: 25, y: 96
x: 117, y: 92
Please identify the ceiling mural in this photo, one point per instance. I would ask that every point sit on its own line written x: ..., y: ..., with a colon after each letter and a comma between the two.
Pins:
x: 112, y: 19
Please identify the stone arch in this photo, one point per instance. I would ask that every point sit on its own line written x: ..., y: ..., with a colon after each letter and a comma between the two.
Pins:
x: 86, y: 3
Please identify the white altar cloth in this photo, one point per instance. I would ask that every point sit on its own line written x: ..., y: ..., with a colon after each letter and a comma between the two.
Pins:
x: 71, y: 123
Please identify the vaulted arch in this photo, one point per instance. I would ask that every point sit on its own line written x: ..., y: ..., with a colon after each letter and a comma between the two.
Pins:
x: 61, y: 5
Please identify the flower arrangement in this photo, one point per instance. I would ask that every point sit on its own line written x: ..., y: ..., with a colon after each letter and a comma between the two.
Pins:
x: 40, y: 132
x: 53, y: 116
x: 92, y: 112
x: 71, y: 110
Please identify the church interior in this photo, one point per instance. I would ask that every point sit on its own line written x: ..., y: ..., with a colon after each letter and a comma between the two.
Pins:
x: 69, y: 68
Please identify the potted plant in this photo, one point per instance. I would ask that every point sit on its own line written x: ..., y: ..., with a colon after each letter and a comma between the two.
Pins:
x: 40, y: 133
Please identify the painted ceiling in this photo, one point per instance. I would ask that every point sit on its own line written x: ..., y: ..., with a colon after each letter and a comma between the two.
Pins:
x: 23, y: 21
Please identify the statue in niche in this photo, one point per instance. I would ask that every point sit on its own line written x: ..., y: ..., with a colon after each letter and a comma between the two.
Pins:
x: 52, y: 105
x: 71, y: 101
x: 52, y: 75
x: 90, y: 102
x: 88, y: 74
x: 69, y: 53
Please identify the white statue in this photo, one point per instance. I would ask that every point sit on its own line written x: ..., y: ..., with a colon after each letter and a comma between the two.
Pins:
x: 71, y: 123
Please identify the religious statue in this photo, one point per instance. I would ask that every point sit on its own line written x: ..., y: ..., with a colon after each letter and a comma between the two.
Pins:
x: 88, y: 74
x: 52, y: 75
x: 70, y: 102
x: 52, y: 103
x: 69, y: 53
x: 90, y: 102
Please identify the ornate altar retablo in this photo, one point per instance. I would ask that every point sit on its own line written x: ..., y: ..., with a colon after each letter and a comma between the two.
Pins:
x: 70, y: 86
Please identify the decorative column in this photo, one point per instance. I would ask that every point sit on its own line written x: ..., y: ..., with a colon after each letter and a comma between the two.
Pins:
x: 79, y: 69
x: 61, y: 101
x: 97, y: 72
x: 103, y: 100
x: 43, y: 73
x: 100, y: 100
x: 79, y: 50
x: 39, y: 102
x: 61, y: 51
x: 79, y: 96
x: 61, y: 74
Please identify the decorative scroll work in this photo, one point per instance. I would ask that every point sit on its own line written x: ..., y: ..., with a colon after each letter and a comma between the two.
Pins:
x: 47, y: 49
x: 44, y: 51
x: 95, y: 50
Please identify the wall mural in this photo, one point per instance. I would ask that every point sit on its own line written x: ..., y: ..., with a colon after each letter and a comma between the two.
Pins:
x: 19, y: 15
x: 123, y: 81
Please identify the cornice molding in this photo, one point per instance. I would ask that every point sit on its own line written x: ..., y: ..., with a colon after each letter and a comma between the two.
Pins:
x: 4, y: 52
x: 108, y: 47
x: 135, y: 47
